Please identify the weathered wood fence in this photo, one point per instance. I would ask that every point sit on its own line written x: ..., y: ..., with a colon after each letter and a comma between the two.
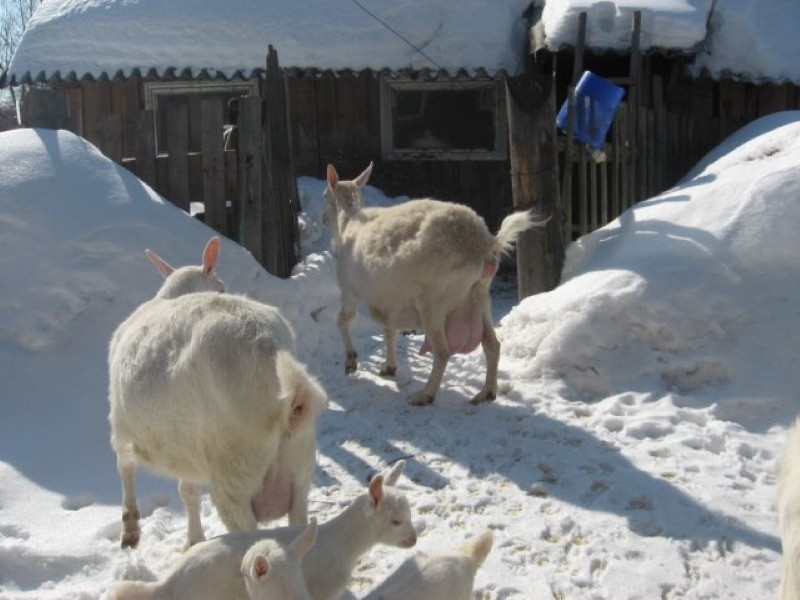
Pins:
x: 247, y: 193
x: 640, y: 162
x: 650, y: 148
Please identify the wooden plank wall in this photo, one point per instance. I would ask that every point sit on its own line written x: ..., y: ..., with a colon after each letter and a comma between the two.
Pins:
x: 336, y: 119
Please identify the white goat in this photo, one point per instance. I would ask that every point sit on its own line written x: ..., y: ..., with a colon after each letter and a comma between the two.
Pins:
x: 421, y: 264
x: 789, y: 514
x: 270, y: 571
x: 436, y: 577
x: 203, y: 387
x: 380, y: 516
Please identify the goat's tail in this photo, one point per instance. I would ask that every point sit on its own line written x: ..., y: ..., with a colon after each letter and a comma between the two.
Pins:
x: 478, y: 547
x: 301, y: 391
x: 134, y: 590
x: 512, y: 226
x: 789, y: 514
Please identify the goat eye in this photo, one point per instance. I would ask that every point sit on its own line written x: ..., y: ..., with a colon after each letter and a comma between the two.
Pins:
x: 397, y: 522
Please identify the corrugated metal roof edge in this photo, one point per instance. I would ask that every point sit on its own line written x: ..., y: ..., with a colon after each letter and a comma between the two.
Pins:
x: 206, y: 74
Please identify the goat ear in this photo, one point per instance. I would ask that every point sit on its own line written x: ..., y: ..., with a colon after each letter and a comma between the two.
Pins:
x: 303, y: 542
x: 362, y: 179
x: 159, y: 263
x: 260, y: 568
x: 376, y: 490
x: 299, y: 408
x: 333, y: 176
x: 210, y: 255
x: 394, y: 474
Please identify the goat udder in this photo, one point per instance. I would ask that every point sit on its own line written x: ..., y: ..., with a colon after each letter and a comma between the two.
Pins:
x: 463, y: 333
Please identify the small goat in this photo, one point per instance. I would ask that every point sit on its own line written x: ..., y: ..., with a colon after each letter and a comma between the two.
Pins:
x: 380, y: 516
x: 203, y: 387
x: 436, y: 577
x: 789, y: 514
x: 421, y: 264
x: 270, y: 571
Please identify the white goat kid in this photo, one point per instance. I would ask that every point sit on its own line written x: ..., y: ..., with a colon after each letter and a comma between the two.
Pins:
x: 421, y: 264
x: 380, y: 516
x: 436, y: 577
x: 203, y: 387
x: 268, y: 569
x: 789, y: 514
x: 272, y: 571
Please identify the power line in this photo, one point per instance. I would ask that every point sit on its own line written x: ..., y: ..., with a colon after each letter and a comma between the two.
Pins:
x: 397, y: 33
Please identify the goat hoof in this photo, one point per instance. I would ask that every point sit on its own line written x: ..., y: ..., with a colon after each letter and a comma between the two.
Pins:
x: 482, y: 397
x: 388, y: 371
x: 420, y: 399
x: 129, y: 540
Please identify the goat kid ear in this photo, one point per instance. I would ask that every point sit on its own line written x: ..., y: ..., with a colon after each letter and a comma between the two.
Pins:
x: 394, y: 474
x: 260, y: 568
x: 159, y: 263
x: 303, y: 543
x: 362, y: 179
x: 210, y: 255
x: 333, y: 177
x: 376, y: 490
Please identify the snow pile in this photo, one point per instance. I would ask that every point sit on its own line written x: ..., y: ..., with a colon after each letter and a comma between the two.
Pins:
x: 685, y: 290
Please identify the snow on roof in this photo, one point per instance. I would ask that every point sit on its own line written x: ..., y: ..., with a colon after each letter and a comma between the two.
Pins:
x: 666, y: 24
x: 96, y: 37
x: 750, y: 40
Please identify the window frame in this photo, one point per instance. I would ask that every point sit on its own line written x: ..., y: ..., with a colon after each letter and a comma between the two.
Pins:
x: 153, y: 90
x: 388, y: 90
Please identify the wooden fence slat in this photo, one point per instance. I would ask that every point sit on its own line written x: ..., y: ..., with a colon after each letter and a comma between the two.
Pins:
x: 250, y: 174
x: 110, y: 139
x: 211, y: 142
x: 583, y: 190
x: 178, y: 150
x: 145, y: 148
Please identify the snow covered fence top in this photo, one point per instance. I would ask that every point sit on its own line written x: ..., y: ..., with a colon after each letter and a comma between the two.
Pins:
x: 751, y: 40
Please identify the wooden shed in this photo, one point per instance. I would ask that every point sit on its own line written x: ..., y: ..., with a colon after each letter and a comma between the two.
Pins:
x: 400, y: 88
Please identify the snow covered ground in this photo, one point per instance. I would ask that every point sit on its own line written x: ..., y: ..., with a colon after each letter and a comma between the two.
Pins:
x: 632, y: 450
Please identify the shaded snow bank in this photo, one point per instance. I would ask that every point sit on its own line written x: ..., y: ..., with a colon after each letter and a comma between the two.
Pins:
x: 619, y: 322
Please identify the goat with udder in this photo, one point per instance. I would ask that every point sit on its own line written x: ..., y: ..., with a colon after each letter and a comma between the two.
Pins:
x: 789, y: 514
x: 421, y: 264
x: 204, y: 387
x: 448, y: 576
x: 380, y: 516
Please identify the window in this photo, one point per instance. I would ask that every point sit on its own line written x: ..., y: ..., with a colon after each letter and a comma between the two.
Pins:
x: 443, y: 120
x: 163, y: 96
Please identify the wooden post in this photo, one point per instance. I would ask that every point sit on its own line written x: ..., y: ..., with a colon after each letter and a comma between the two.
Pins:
x: 250, y: 175
x: 284, y: 196
x: 534, y: 183
x: 633, y: 107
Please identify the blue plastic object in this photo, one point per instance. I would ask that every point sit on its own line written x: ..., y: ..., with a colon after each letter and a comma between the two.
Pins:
x: 596, y: 102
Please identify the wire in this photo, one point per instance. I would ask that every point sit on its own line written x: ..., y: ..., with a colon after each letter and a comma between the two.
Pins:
x: 397, y: 33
